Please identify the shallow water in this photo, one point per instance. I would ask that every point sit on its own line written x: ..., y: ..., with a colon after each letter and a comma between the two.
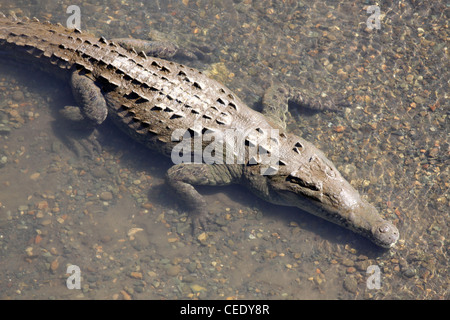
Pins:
x: 112, y: 215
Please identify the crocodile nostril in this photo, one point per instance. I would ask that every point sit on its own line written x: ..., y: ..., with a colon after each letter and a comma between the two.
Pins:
x: 383, y: 229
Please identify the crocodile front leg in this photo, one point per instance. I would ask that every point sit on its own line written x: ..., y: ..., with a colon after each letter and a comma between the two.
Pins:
x: 183, y: 177
x: 89, y: 98
x: 275, y: 104
x: 90, y: 112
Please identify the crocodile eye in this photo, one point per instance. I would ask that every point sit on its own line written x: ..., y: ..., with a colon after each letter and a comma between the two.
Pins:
x: 295, y: 179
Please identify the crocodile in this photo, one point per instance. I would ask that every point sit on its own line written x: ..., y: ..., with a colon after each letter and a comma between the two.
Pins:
x: 151, y: 98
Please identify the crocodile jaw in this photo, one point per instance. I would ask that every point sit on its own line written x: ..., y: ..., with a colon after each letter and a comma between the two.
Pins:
x: 338, y: 202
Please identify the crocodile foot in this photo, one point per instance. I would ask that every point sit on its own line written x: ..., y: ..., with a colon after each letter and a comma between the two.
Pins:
x: 200, y: 222
x: 182, y: 178
x: 84, y: 143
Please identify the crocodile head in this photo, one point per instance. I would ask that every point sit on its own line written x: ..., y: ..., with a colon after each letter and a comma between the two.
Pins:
x: 313, y: 184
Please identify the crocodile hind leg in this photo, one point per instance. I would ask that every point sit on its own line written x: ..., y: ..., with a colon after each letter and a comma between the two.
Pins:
x: 183, y: 177
x: 277, y: 97
x: 90, y: 112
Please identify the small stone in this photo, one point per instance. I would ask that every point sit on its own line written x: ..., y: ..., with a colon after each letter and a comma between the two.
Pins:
x: 351, y: 270
x: 197, y: 288
x: 409, y: 272
x: 147, y: 205
x: 363, y: 265
x: 133, y: 231
x: 37, y: 239
x: 41, y: 205
x: 191, y: 267
x: 29, y: 251
x: 348, y: 263
x: 4, y: 129
x: 35, y: 176
x: 350, y: 284
x: 46, y: 222
x: 173, y: 271
x: 136, y: 275
x: 106, y: 196
x: 125, y: 295
x: 106, y: 239
x: 342, y: 74
x: 339, y: 129
x: 189, y: 279
x: 100, y: 172
x: 18, y: 96
x: 54, y: 265
x: 56, y: 147
x: 419, y: 100
x: 23, y: 207
x: 433, y: 152
x: 202, y: 236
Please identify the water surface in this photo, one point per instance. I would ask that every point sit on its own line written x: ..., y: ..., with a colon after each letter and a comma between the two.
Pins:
x: 111, y: 214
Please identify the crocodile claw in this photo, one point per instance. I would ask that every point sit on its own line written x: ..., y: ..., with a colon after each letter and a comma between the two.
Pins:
x: 82, y: 143
x: 199, y: 224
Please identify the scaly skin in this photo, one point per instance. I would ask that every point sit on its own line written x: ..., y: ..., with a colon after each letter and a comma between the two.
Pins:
x: 150, y: 98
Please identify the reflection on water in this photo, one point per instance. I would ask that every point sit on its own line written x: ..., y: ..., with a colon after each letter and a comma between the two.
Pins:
x: 112, y: 215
